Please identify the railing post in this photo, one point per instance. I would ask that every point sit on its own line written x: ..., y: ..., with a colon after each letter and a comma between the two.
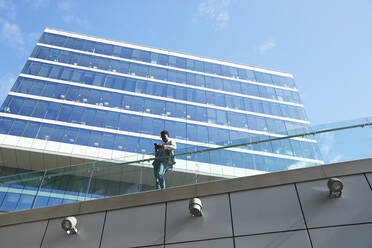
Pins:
x: 38, y: 190
x: 90, y: 178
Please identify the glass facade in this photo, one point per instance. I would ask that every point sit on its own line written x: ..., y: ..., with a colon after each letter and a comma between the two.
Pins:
x: 72, y: 80
x: 92, y: 92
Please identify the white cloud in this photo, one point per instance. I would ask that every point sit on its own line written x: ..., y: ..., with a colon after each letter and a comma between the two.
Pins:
x: 267, y: 45
x: 215, y: 11
x: 6, y: 82
x: 9, y: 8
x: 11, y: 34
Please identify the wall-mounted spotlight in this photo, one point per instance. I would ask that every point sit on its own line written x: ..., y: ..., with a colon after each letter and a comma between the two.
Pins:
x: 195, y: 207
x: 335, y: 187
x: 69, y: 225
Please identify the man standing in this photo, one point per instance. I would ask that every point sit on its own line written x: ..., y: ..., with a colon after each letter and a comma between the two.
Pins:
x: 164, y: 158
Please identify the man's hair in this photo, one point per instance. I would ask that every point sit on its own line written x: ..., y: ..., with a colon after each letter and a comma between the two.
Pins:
x: 164, y: 132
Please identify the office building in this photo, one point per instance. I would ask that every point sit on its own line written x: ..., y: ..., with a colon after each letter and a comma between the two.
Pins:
x: 81, y: 98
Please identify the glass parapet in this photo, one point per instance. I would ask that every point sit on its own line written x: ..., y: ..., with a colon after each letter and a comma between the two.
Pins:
x: 335, y: 142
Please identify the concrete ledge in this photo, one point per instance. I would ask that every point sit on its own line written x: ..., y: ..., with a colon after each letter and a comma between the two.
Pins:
x: 185, y: 192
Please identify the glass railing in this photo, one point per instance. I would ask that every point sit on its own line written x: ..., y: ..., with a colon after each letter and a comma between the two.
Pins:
x: 331, y: 143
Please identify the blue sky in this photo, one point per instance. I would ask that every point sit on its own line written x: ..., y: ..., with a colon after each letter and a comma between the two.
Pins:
x: 326, y: 45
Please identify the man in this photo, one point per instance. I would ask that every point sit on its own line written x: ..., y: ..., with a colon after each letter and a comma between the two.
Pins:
x: 164, y: 158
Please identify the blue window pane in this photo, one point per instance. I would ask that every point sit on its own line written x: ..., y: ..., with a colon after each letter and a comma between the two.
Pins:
x: 77, y: 76
x: 170, y: 126
x: 120, y: 142
x: 37, y: 87
x: 57, y: 133
x: 237, y: 120
x: 78, y: 44
x: 5, y: 124
x: 45, y: 131
x: 180, y: 130
x: 17, y: 127
x: 56, y: 72
x: 108, y: 140
x: 31, y: 129
x: 250, y: 89
x: 60, y: 91
x: 112, y: 120
x: 100, y: 120
x: 70, y: 135
x: 181, y: 93
x: 53, y: 201
x: 25, y: 202
x: 28, y: 107
x: 53, y: 110
x: 200, y: 96
x: 213, y: 135
x: 130, y: 85
x: 69, y: 42
x: 95, y: 139
x: 64, y: 57
x: 40, y: 109
x: 77, y: 114
x: 15, y: 105
x: 191, y: 132
x: 10, y: 202
x: 146, y: 125
x: 88, y: 117
x: 25, y: 85
x: 171, y: 91
x: 163, y: 59
x: 41, y: 201
x: 202, y: 134
x: 146, y: 146
x: 48, y: 89
x: 88, y: 77
x: 44, y: 71
x: 158, y: 73
x: 212, y: 116
x: 83, y: 95
x: 158, y: 126
x: 220, y: 100
x: 132, y: 144
x: 89, y: 46
x: 83, y: 137
x: 94, y: 97
x: 180, y: 110
x: 135, y: 123
x: 141, y: 86
x: 221, y: 117
x: 72, y: 93
x: 201, y: 114
x: 124, y: 121
x: 160, y: 90
x: 99, y: 79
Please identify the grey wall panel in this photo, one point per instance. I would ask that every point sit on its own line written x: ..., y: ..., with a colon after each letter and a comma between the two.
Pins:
x: 294, y: 239
x: 354, y: 206
x: 358, y: 236
x: 89, y: 232
x: 215, y: 223
x: 156, y: 246
x: 266, y: 210
x: 369, y: 177
x: 215, y: 243
x: 140, y: 226
x: 24, y: 235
